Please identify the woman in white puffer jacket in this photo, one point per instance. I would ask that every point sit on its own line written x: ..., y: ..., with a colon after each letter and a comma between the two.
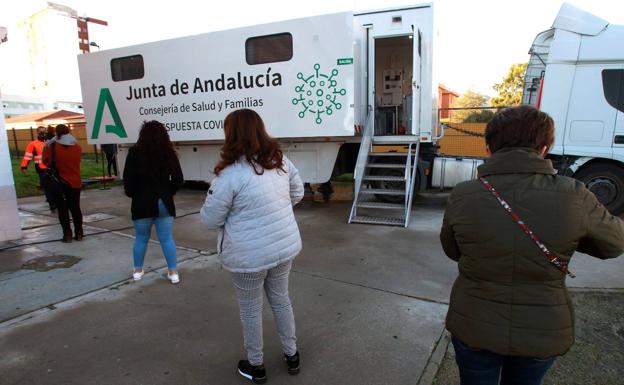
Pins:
x: 251, y: 202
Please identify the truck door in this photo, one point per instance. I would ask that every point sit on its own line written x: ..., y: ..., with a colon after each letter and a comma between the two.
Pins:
x: 613, y: 88
x: 591, y: 119
x: 415, y: 110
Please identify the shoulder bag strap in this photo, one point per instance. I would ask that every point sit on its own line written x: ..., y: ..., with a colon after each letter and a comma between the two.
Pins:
x: 553, y: 259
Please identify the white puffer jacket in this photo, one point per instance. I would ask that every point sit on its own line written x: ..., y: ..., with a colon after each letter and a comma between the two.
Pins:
x: 255, y: 216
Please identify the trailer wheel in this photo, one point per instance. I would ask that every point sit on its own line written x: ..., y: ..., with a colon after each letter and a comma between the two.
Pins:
x: 392, y: 185
x: 606, y: 181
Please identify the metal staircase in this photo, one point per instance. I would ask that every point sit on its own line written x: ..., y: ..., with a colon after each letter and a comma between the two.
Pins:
x: 384, y: 182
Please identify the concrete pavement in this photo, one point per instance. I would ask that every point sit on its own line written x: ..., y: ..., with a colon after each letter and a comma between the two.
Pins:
x: 369, y: 301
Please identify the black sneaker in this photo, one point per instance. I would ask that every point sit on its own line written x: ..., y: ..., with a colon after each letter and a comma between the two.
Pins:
x: 257, y: 374
x: 293, y: 363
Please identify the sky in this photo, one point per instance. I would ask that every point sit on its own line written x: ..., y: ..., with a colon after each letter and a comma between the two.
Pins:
x: 478, y: 40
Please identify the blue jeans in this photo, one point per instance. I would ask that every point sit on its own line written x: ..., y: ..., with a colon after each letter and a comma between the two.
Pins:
x: 164, y: 230
x: 481, y: 367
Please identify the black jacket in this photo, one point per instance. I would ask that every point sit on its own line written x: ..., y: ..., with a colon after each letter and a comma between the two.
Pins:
x: 145, y: 190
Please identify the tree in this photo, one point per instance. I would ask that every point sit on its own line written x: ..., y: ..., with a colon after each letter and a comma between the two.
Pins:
x: 480, y: 116
x: 510, y: 89
x: 468, y: 100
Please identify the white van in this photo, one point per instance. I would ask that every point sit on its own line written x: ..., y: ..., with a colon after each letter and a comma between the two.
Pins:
x: 322, y: 84
x: 576, y: 75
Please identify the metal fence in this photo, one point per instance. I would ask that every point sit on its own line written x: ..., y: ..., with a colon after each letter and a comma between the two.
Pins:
x: 464, y: 130
x: 19, y: 138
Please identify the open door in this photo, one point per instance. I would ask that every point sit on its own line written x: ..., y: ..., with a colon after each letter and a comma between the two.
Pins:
x: 392, y: 62
x: 415, y: 86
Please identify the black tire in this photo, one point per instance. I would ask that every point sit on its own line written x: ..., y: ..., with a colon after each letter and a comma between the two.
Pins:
x: 392, y: 185
x: 606, y: 181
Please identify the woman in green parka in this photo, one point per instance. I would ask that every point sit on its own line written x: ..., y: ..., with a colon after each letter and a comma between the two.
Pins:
x: 510, y: 314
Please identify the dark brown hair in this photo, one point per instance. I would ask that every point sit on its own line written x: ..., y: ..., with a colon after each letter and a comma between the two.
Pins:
x: 50, y: 132
x: 520, y: 126
x: 41, y: 133
x: 156, y: 156
x: 61, y: 130
x: 245, y: 135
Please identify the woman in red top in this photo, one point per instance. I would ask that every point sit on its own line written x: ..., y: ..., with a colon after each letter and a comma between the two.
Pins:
x: 67, y: 153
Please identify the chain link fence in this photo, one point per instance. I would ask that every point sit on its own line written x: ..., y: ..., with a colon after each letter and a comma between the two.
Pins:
x: 464, y: 130
x: 19, y: 138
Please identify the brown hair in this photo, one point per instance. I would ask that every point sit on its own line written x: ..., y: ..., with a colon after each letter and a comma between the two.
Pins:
x: 155, y: 152
x: 50, y: 132
x: 520, y: 126
x: 61, y: 130
x: 245, y: 135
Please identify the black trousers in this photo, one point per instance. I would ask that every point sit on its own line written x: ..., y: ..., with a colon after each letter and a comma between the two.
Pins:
x: 68, y: 201
x: 111, y: 159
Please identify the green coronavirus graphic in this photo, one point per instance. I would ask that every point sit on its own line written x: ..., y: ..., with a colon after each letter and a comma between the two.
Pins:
x: 318, y: 93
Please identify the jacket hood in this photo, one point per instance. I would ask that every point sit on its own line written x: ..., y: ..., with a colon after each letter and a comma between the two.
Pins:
x: 516, y: 160
x: 67, y: 140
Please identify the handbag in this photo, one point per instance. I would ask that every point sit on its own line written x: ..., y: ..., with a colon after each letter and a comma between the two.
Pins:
x: 552, y: 258
x: 50, y: 179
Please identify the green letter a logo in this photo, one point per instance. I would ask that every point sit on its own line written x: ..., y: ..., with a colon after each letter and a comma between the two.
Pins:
x: 118, y: 128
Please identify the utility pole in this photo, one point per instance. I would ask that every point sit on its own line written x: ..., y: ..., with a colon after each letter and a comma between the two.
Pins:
x: 10, y: 227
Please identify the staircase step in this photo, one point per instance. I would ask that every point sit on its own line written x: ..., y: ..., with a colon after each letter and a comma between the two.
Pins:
x: 388, y: 153
x: 396, y: 139
x: 381, y: 191
x: 379, y: 220
x: 381, y: 205
x: 384, y: 178
x: 386, y: 165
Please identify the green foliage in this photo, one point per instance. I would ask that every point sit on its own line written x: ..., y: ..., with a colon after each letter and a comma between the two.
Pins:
x: 510, y: 89
x: 481, y: 116
x: 468, y: 99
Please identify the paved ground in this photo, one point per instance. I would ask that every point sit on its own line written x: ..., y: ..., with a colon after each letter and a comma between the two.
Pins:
x: 597, y: 356
x: 369, y: 301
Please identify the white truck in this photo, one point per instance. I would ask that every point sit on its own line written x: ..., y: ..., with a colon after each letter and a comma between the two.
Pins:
x: 576, y: 75
x: 327, y: 87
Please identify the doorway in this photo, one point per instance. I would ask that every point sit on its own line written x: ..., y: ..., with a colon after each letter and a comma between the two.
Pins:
x: 394, y: 62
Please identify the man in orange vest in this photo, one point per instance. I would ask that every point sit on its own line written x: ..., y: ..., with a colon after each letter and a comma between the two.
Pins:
x: 34, y: 151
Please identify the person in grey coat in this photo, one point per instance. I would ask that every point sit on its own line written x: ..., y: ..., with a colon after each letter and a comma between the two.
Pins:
x: 251, y: 203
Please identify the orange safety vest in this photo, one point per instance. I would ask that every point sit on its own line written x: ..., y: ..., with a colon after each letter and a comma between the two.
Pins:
x: 34, y: 148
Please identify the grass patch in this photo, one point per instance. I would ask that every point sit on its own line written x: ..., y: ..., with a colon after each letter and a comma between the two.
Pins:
x: 28, y: 185
x: 348, y: 177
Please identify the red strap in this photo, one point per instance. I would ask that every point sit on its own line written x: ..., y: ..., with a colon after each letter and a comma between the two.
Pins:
x: 552, y: 258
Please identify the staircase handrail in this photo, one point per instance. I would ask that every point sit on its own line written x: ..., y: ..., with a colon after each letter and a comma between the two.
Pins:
x: 362, y: 159
x: 410, y: 190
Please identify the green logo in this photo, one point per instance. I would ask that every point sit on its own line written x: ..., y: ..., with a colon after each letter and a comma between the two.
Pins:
x: 318, y: 93
x: 118, y: 129
x: 345, y: 61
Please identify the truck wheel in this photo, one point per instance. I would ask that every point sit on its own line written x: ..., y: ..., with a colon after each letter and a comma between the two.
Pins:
x: 390, y: 185
x: 606, y: 181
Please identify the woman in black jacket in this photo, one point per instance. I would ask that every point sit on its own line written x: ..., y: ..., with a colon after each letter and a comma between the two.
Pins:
x: 152, y: 175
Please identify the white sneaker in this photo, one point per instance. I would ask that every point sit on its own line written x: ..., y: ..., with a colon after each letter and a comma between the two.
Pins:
x: 174, y: 278
x: 138, y: 275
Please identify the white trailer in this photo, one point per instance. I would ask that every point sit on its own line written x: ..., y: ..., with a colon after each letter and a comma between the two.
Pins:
x: 322, y: 85
x: 576, y: 75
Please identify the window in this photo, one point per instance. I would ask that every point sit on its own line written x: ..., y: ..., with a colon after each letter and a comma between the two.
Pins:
x: 269, y: 48
x: 127, y: 68
x: 613, y: 87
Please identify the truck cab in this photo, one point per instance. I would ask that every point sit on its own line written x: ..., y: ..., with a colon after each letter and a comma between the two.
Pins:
x: 576, y: 75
